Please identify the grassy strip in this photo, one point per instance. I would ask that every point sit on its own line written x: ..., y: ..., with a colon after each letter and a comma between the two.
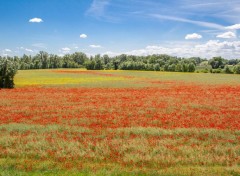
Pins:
x: 174, y: 171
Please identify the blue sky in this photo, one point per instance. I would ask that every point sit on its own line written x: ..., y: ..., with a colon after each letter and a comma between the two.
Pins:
x: 184, y: 28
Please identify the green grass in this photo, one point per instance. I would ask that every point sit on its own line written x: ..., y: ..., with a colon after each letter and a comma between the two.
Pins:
x: 39, y: 129
x: 120, y: 78
x: 173, y: 150
x: 177, y: 171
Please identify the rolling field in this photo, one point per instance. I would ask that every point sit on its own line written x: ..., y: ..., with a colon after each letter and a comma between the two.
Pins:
x: 78, y: 122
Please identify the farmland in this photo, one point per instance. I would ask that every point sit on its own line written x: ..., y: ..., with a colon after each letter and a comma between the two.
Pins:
x: 79, y: 122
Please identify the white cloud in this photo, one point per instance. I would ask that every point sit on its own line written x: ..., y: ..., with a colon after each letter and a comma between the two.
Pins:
x: 193, y: 36
x: 95, y: 46
x: 206, y: 5
x: 83, y: 36
x: 8, y: 50
x: 227, y: 35
x: 212, y: 48
x: 60, y: 55
x: 35, y: 20
x: 66, y: 49
x: 20, y: 48
x: 184, y: 20
x: 98, y: 7
x: 234, y: 27
x: 111, y: 54
x: 28, y: 50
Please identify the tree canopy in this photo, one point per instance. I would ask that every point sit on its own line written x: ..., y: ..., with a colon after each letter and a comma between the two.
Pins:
x: 8, y: 69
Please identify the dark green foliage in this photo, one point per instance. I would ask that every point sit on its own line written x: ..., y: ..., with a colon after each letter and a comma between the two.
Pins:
x: 178, y: 68
x: 219, y: 70
x: 79, y: 58
x: 95, y: 63
x: 8, y: 69
x: 184, y: 67
x: 233, y: 61
x: 115, y: 64
x: 236, y: 69
x: 217, y: 62
x: 228, y: 70
x: 165, y: 68
x: 157, y: 67
x: 171, y: 67
x: 130, y: 65
x: 90, y: 65
x: 44, y: 59
x: 191, y: 67
x: 197, y: 60
x: 98, y: 65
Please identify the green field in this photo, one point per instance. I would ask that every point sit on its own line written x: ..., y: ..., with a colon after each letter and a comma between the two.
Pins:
x: 109, y: 78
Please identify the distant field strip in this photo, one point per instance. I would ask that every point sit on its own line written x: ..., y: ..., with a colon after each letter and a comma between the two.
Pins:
x: 85, y: 78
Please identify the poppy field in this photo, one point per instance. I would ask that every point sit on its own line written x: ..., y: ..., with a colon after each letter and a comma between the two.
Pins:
x: 79, y: 122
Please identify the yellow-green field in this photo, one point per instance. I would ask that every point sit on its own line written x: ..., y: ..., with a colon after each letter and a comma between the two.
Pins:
x: 110, y: 78
x: 79, y: 122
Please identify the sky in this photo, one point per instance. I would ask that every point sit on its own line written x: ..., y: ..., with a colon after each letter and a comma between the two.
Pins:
x: 183, y: 28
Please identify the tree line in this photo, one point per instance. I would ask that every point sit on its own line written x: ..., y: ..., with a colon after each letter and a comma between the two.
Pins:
x: 155, y: 62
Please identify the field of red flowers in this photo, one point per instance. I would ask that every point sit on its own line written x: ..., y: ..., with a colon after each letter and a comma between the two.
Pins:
x: 165, y: 128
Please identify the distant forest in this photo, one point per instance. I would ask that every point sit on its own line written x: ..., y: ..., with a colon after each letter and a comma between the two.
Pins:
x: 161, y: 62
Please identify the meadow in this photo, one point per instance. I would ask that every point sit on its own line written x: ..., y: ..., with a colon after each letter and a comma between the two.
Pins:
x: 79, y: 122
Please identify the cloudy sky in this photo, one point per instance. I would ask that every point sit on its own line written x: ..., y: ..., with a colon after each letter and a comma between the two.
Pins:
x: 186, y: 28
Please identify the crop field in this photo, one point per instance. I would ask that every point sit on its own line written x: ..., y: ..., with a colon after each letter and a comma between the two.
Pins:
x: 79, y: 122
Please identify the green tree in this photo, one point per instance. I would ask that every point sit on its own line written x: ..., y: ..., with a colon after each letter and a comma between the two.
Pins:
x: 172, y: 67
x: 236, y: 69
x: 157, y: 67
x: 116, y: 64
x: 79, y: 58
x: 178, y: 68
x: 191, y: 67
x: 184, y: 67
x: 8, y: 69
x: 106, y: 59
x: 98, y: 65
x: 90, y: 65
x: 165, y: 67
x: 228, y: 70
x: 217, y: 62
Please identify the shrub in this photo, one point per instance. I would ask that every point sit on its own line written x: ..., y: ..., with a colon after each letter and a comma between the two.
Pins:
x: 191, y: 67
x: 205, y: 70
x: 236, y: 69
x: 8, y: 69
x: 219, y: 70
x: 228, y: 70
